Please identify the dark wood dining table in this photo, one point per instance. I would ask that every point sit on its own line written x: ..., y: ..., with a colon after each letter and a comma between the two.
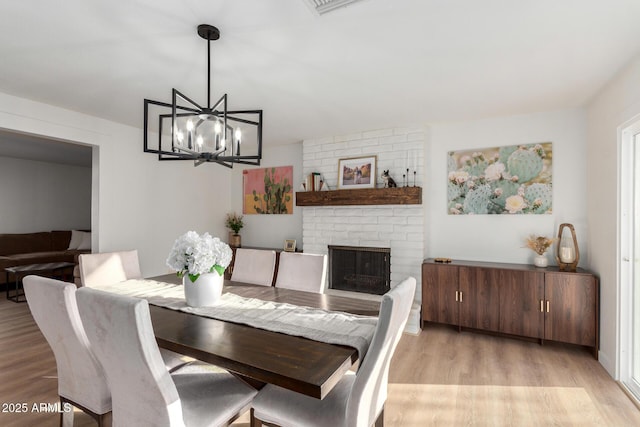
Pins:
x: 257, y: 355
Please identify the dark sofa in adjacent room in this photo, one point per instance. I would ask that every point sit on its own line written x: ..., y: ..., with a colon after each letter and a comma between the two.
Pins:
x: 41, y: 247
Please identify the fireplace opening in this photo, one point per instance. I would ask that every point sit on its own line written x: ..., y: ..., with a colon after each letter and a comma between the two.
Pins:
x: 360, y: 269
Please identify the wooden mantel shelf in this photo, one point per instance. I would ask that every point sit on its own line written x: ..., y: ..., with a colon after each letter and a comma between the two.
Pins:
x: 365, y: 196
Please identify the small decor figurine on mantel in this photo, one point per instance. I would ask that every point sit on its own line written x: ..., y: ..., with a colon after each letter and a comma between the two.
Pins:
x: 388, y: 181
x: 540, y: 244
x: 235, y: 224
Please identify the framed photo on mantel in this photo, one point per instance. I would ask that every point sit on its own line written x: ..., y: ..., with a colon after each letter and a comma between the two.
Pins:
x: 358, y: 172
x: 289, y: 245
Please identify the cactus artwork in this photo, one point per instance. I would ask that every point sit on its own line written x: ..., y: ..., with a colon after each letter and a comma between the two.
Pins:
x: 511, y: 180
x: 268, y: 190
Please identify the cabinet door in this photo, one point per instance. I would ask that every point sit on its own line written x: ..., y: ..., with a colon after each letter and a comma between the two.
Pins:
x: 521, y: 293
x: 439, y: 288
x: 572, y: 308
x: 479, y: 301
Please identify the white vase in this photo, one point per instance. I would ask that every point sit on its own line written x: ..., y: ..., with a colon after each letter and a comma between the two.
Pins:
x: 203, y: 292
x: 540, y: 260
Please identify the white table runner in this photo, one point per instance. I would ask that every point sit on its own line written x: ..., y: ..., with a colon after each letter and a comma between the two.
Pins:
x: 319, y: 325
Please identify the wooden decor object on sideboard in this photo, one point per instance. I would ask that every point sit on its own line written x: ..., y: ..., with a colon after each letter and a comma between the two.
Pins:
x: 514, y: 299
x: 362, y: 196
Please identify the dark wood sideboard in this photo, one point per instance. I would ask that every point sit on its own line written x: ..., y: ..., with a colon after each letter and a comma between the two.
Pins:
x: 514, y: 299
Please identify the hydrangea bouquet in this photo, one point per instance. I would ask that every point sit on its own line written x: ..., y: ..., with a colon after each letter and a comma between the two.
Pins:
x: 194, y: 255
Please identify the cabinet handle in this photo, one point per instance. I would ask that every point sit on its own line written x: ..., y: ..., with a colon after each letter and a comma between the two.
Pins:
x: 460, y: 296
x: 541, y: 306
x: 547, y: 306
x: 457, y: 292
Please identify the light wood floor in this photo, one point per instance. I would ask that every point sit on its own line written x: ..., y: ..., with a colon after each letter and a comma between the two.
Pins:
x: 439, y: 378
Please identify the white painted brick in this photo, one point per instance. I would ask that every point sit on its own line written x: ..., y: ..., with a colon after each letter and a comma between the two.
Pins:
x: 364, y: 143
x: 415, y: 237
x: 393, y: 236
x: 329, y: 162
x: 395, y: 220
x: 415, y: 220
x: 360, y: 235
x: 383, y: 150
x: 361, y: 220
x: 412, y: 147
x: 395, y: 140
x: 388, y: 228
x: 322, y: 226
x: 349, y: 211
x: 408, y: 130
x: 407, y: 228
x: 334, y: 146
x: 417, y: 136
x: 316, y: 141
x: 327, y: 154
x: 325, y: 212
x: 408, y: 211
x: 349, y: 152
x: 377, y: 133
x: 375, y: 243
x: 351, y: 137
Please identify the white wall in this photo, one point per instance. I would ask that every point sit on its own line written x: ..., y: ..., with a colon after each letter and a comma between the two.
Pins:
x: 270, y: 231
x: 501, y: 238
x: 617, y: 103
x: 138, y: 202
x: 42, y: 196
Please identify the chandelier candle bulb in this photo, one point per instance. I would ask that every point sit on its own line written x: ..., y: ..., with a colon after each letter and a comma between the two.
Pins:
x: 238, y: 135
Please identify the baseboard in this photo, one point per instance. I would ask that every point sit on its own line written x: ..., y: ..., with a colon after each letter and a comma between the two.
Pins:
x: 630, y: 395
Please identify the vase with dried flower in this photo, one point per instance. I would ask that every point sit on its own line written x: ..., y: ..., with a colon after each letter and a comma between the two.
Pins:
x: 540, y: 244
x: 235, y: 224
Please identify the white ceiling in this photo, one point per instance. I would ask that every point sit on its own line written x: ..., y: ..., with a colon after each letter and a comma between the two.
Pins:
x: 373, y: 64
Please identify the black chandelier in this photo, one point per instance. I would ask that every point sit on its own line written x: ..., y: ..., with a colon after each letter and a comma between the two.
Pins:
x: 188, y: 131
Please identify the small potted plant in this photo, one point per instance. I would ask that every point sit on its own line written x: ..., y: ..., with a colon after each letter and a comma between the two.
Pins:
x: 540, y: 244
x: 235, y: 224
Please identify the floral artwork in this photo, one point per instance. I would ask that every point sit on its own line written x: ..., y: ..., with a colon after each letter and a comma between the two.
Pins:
x: 268, y: 190
x: 511, y: 180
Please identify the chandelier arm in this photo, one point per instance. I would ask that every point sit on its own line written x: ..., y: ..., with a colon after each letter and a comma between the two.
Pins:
x: 237, y: 119
x: 209, y: 73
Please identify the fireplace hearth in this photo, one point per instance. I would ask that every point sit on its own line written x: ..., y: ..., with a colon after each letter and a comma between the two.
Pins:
x: 360, y: 269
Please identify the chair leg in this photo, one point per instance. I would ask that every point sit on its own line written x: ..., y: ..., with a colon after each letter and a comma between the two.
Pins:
x: 104, y: 420
x: 380, y: 420
x: 66, y: 419
x: 254, y: 422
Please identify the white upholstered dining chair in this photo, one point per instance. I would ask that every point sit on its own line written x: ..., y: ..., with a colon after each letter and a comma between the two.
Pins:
x: 358, y: 399
x: 255, y: 266
x: 81, y: 380
x: 108, y: 268
x: 142, y: 390
x: 302, y: 272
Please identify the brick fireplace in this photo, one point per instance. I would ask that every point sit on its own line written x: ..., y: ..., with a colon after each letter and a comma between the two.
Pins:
x: 400, y: 228
x: 360, y: 269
